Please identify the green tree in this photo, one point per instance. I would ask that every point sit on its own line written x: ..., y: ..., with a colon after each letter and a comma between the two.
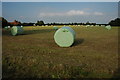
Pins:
x: 4, y: 22
x: 40, y: 23
x: 87, y: 23
x: 115, y: 22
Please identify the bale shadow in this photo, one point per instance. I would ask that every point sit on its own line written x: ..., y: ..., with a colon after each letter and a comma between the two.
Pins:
x: 28, y: 32
x: 38, y: 31
x: 78, y: 41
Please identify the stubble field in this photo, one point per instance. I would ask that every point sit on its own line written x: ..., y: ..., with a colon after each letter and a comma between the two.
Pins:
x: 35, y: 54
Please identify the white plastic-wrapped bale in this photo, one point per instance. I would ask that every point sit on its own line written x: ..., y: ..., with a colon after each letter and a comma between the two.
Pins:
x: 16, y: 30
x: 8, y: 26
x: 108, y: 27
x: 102, y: 25
x: 97, y: 25
x: 64, y: 37
x: 87, y: 25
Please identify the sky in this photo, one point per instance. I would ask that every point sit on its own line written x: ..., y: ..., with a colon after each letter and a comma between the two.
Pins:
x: 0, y: 9
x: 60, y: 0
x: 61, y: 12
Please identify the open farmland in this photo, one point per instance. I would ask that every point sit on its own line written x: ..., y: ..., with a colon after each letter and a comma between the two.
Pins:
x: 34, y: 54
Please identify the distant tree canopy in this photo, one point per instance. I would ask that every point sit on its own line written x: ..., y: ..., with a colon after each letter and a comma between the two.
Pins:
x: 40, y: 23
x: 27, y: 24
x: 87, y: 23
x: 4, y: 22
x: 115, y: 22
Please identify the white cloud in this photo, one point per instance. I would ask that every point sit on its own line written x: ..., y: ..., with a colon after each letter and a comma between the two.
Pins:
x: 98, y: 13
x: 51, y: 14
x: 69, y: 13
x: 75, y: 12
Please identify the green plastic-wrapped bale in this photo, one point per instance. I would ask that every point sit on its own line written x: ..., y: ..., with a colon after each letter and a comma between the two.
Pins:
x: 55, y: 28
x: 64, y: 37
x: 108, y: 27
x: 15, y: 30
x: 6, y: 27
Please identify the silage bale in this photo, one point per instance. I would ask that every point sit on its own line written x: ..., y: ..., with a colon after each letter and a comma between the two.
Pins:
x: 97, y: 25
x: 64, y: 37
x: 6, y: 27
x: 55, y: 28
x: 102, y: 25
x: 16, y: 30
x: 87, y: 25
x: 108, y: 27
x: 34, y: 24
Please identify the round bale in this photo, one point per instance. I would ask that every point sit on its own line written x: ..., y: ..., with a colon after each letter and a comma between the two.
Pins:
x: 16, y: 30
x: 108, y: 27
x: 6, y: 27
x: 64, y: 37
x: 55, y: 28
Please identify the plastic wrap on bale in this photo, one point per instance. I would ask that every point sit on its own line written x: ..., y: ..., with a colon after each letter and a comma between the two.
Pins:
x: 16, y: 30
x: 55, y: 28
x: 108, y: 27
x: 64, y: 37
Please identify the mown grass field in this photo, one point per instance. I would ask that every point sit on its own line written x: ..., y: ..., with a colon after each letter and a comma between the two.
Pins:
x: 94, y: 54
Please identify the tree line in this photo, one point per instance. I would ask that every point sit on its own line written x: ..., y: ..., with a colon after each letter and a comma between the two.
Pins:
x: 115, y: 22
